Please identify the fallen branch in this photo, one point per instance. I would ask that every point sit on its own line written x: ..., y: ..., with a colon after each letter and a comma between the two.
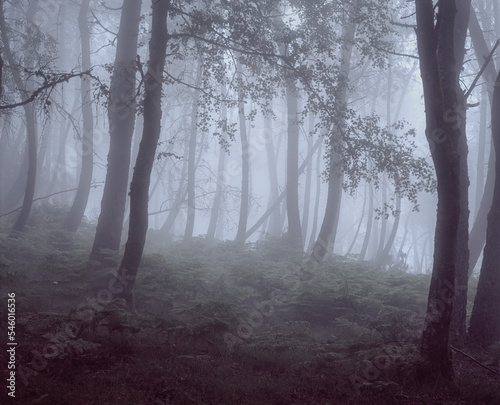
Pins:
x: 476, y: 361
x: 94, y: 185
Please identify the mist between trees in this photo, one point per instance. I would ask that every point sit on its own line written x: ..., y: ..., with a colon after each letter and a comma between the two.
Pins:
x: 327, y: 128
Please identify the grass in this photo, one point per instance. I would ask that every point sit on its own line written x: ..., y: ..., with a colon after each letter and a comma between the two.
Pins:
x: 220, y: 324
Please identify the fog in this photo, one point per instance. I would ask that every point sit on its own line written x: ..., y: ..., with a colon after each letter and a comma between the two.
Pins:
x: 203, y: 137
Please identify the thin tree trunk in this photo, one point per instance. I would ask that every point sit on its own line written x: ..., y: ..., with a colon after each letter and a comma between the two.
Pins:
x: 281, y: 197
x: 382, y: 259
x: 139, y: 186
x: 312, y: 238
x: 30, y: 121
x: 219, y: 187
x: 481, y: 150
x: 77, y: 210
x: 307, y: 188
x: 245, y: 167
x: 191, y: 168
x: 369, y: 224
x: 274, y: 225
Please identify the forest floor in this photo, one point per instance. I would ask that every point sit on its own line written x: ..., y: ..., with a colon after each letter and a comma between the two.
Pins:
x: 220, y: 324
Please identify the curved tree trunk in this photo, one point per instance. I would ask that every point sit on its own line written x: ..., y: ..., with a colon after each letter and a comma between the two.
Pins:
x: 436, y: 47
x: 328, y: 228
x: 139, y: 186
x: 121, y: 114
x: 77, y: 210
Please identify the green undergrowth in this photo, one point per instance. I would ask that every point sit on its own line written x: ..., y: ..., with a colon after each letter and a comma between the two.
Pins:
x: 218, y: 323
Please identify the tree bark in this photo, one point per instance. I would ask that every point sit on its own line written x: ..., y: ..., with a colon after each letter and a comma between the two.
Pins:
x: 477, y: 235
x: 191, y: 165
x: 141, y: 177
x: 245, y: 166
x: 292, y: 164
x: 121, y: 115
x: 444, y: 117
x: 485, y: 318
x: 77, y: 210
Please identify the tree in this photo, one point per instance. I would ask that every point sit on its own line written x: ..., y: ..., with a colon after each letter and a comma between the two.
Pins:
x: 335, y: 176
x: 436, y: 41
x: 485, y: 317
x: 24, y: 87
x: 121, y: 116
x: 77, y: 210
x: 245, y: 163
x: 191, y: 162
x: 139, y: 186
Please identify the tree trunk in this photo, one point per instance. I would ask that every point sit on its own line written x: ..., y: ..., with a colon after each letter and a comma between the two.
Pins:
x: 281, y: 197
x: 292, y: 164
x: 316, y: 201
x: 328, y: 228
x: 191, y: 168
x: 477, y: 235
x: 307, y: 188
x: 369, y: 224
x: 77, y: 210
x: 139, y: 186
x: 245, y: 166
x: 485, y: 318
x: 121, y: 115
x: 219, y: 187
x: 274, y: 226
x: 383, y: 256
x: 439, y: 71
x: 30, y: 121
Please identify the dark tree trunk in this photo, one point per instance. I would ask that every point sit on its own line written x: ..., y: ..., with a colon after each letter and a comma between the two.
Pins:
x: 121, y: 114
x: 458, y: 323
x: 485, y: 318
x: 444, y: 117
x: 477, y: 235
x: 139, y: 186
x: 77, y: 210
